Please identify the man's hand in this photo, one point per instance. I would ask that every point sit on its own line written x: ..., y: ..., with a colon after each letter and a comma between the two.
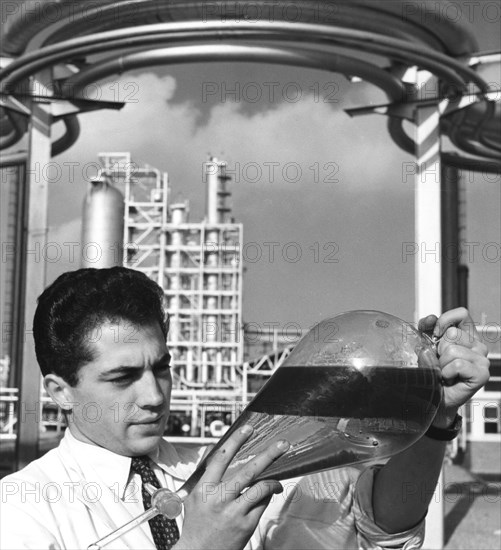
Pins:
x: 463, y: 360
x: 218, y: 515
x: 465, y: 370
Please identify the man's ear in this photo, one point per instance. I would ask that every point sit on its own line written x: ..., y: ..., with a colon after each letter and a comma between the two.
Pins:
x: 60, y: 391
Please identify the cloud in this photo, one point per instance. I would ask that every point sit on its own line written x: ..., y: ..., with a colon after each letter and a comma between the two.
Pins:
x: 308, y: 141
x: 300, y: 172
x: 303, y: 172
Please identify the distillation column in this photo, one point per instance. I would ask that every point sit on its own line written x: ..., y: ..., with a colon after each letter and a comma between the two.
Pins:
x: 177, y: 218
x: 217, y: 305
x: 211, y: 260
x: 102, y: 225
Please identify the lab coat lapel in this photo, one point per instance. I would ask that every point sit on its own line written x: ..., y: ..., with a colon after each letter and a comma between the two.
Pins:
x: 108, y: 508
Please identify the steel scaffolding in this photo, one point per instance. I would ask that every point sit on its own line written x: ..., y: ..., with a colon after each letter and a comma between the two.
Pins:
x: 198, y: 264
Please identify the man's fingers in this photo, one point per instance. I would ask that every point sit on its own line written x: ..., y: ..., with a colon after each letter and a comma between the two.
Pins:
x: 248, y: 473
x: 464, y: 364
x: 460, y: 337
x: 427, y: 324
x: 257, y: 497
x: 458, y: 317
x: 455, y: 326
x: 218, y: 462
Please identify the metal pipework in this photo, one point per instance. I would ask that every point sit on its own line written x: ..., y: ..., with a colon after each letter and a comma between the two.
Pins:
x: 414, y: 54
x: 386, y: 30
x: 310, y: 58
x: 387, y: 82
x: 84, y: 17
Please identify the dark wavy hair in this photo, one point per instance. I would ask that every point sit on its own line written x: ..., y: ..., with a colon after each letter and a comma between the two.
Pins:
x: 79, y: 302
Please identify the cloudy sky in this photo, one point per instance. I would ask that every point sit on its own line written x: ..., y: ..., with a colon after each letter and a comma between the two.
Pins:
x: 327, y: 192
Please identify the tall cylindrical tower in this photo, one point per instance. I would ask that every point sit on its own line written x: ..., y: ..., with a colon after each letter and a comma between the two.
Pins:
x: 178, y: 217
x: 102, y: 225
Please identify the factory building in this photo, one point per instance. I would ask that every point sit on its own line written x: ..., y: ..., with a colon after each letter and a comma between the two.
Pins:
x: 129, y: 217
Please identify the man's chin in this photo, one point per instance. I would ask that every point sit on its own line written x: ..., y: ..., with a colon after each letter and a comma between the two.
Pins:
x: 145, y: 445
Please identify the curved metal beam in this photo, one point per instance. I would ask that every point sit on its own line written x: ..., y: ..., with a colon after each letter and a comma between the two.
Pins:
x: 394, y: 31
x: 393, y: 88
x: 78, y: 18
x: 400, y: 137
x: 15, y: 129
x: 70, y: 136
x: 414, y: 54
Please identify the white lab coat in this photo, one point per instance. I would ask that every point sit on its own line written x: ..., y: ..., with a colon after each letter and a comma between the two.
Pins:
x: 78, y: 493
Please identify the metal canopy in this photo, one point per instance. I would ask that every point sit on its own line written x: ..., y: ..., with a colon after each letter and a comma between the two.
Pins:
x: 116, y: 36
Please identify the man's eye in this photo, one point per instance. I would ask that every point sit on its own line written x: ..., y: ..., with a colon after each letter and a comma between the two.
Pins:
x: 121, y: 379
x: 125, y: 378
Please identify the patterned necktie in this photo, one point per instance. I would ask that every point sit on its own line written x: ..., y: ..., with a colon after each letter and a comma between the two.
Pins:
x: 165, y: 532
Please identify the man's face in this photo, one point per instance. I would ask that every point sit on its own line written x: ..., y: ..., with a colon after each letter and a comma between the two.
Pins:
x: 122, y: 398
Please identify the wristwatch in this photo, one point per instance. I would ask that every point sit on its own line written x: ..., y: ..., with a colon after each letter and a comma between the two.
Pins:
x: 446, y: 434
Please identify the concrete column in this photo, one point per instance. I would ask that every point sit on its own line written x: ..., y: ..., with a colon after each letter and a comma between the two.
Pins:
x: 35, y: 238
x: 428, y: 269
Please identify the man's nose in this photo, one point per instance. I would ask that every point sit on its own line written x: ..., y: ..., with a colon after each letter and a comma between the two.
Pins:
x: 150, y: 391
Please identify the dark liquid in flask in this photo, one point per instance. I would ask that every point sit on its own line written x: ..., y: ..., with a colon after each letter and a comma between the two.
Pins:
x: 336, y: 416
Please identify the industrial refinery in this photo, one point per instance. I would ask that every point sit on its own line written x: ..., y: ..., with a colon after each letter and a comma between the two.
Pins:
x: 128, y: 219
x: 423, y: 67
x: 128, y: 214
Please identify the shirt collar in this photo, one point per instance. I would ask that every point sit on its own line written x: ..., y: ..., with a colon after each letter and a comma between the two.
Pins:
x: 115, y: 468
x: 94, y: 461
x: 167, y: 458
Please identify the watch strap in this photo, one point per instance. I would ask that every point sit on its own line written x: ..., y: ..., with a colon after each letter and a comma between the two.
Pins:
x: 446, y: 434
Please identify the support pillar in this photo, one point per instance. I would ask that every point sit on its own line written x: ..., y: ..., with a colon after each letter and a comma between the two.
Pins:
x: 33, y: 283
x: 450, y: 241
x: 428, y: 273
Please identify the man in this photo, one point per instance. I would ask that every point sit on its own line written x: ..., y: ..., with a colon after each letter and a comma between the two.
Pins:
x: 100, y: 342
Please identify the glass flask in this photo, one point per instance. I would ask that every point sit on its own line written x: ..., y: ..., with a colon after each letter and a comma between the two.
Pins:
x: 357, y: 388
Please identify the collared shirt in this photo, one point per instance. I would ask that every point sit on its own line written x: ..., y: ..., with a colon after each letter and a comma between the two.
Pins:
x: 78, y: 493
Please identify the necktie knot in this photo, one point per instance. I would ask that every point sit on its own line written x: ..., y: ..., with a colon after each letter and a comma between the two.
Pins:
x: 141, y: 465
x: 140, y: 462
